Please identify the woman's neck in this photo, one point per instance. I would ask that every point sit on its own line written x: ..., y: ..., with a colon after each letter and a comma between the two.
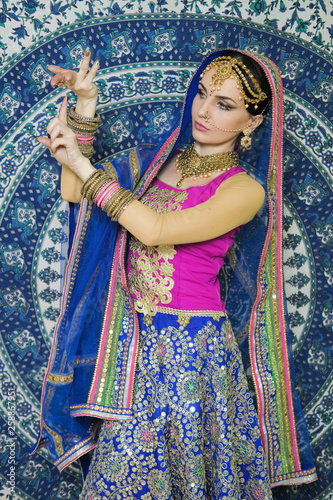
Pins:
x: 211, y: 149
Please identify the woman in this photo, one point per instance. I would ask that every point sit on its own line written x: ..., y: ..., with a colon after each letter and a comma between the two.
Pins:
x: 145, y: 344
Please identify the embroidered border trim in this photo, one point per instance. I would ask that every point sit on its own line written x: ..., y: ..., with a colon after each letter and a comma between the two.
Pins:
x: 306, y: 476
x: 134, y: 164
x: 100, y: 412
x: 60, y: 378
x: 107, y: 334
x: 56, y: 438
x: 190, y: 312
x: 274, y: 306
x: 110, y: 168
x: 74, y: 453
x: 71, y: 269
x: 184, y: 317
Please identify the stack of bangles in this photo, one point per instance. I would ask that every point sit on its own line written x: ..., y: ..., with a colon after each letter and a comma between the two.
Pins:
x: 107, y: 194
x: 84, y: 129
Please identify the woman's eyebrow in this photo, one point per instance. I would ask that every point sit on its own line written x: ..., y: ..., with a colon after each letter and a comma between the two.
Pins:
x: 224, y: 97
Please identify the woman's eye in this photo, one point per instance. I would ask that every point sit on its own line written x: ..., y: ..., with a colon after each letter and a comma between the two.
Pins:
x: 201, y: 93
x: 224, y: 106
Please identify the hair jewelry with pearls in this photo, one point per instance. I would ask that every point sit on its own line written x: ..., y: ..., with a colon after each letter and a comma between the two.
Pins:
x: 230, y: 67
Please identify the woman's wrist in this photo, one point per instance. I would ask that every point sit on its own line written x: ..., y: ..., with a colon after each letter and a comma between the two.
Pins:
x: 85, y: 169
x: 86, y: 107
x: 106, y: 192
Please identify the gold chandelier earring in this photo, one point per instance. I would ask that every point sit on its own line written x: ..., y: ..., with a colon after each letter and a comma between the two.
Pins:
x: 246, y: 140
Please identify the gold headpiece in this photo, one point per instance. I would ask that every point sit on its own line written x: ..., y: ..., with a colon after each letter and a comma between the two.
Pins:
x: 230, y: 67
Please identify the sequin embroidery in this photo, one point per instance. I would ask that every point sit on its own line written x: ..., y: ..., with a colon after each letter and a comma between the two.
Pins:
x: 194, y: 434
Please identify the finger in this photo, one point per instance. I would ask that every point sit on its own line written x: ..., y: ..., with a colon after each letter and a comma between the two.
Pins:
x: 66, y: 78
x: 59, y: 74
x: 55, y: 132
x: 55, y: 69
x: 60, y: 129
x: 67, y: 142
x: 84, y: 66
x: 51, y: 126
x: 44, y: 140
x: 57, y: 79
x: 56, y: 127
x: 63, y: 110
x: 92, y: 73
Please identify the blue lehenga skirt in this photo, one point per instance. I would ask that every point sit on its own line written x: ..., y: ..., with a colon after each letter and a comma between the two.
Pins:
x: 195, y: 432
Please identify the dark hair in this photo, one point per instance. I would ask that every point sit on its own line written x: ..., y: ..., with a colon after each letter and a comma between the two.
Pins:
x: 259, y: 75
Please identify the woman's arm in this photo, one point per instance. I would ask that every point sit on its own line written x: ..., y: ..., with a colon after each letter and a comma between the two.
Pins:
x: 81, y: 83
x: 63, y: 146
x: 235, y: 203
x: 70, y: 186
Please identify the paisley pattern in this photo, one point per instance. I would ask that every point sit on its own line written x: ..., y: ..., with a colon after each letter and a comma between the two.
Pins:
x: 194, y: 434
x: 146, y: 62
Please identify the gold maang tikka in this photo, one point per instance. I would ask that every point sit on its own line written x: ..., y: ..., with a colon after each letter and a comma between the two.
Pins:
x: 230, y: 67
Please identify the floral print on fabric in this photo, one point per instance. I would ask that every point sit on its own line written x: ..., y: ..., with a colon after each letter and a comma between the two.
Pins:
x: 194, y: 434
x: 28, y: 21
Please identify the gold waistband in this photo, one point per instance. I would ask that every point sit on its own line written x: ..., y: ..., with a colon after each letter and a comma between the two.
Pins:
x: 184, y: 316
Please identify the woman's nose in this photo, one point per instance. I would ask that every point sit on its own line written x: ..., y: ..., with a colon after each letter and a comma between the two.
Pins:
x: 203, y: 110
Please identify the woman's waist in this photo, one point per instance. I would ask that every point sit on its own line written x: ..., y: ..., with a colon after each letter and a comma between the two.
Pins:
x: 178, y: 294
x: 182, y: 316
x: 183, y: 304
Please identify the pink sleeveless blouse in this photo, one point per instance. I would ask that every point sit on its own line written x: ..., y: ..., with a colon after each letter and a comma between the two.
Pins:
x: 178, y: 277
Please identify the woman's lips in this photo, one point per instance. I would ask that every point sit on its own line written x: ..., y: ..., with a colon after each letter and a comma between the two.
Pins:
x: 200, y: 127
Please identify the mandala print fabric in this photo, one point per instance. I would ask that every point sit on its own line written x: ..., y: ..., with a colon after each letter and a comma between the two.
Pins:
x: 146, y: 62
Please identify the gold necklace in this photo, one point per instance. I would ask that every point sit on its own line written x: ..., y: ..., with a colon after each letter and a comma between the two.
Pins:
x: 190, y: 164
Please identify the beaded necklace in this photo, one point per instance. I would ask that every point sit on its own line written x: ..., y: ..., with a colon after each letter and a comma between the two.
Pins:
x: 190, y: 164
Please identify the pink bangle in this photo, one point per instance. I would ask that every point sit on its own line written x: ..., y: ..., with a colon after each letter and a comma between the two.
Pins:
x: 104, y: 192
x: 101, y: 192
x: 107, y: 195
x: 84, y: 137
x: 85, y: 142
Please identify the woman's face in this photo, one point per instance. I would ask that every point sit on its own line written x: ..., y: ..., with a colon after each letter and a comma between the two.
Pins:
x: 225, y: 111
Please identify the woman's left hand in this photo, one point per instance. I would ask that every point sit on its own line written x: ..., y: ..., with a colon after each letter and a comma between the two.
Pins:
x: 61, y: 142
x: 81, y: 82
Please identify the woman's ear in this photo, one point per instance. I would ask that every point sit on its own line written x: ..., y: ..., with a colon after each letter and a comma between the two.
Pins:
x: 257, y: 120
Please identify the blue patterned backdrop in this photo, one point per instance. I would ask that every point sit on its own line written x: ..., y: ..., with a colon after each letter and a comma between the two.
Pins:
x: 146, y: 61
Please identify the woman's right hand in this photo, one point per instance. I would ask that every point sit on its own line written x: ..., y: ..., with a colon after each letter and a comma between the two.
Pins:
x: 61, y: 142
x: 81, y: 83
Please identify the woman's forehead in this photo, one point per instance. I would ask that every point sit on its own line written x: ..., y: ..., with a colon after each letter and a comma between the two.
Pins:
x: 229, y: 84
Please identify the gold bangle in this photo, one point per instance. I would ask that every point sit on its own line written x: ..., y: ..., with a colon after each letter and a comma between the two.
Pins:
x: 112, y: 201
x: 97, y: 187
x: 80, y: 118
x: 119, y: 202
x: 92, y: 179
x: 128, y: 199
x: 88, y: 181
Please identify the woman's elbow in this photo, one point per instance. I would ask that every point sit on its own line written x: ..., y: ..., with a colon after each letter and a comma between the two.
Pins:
x: 71, y: 197
x: 149, y: 240
x: 71, y: 185
x: 151, y: 236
